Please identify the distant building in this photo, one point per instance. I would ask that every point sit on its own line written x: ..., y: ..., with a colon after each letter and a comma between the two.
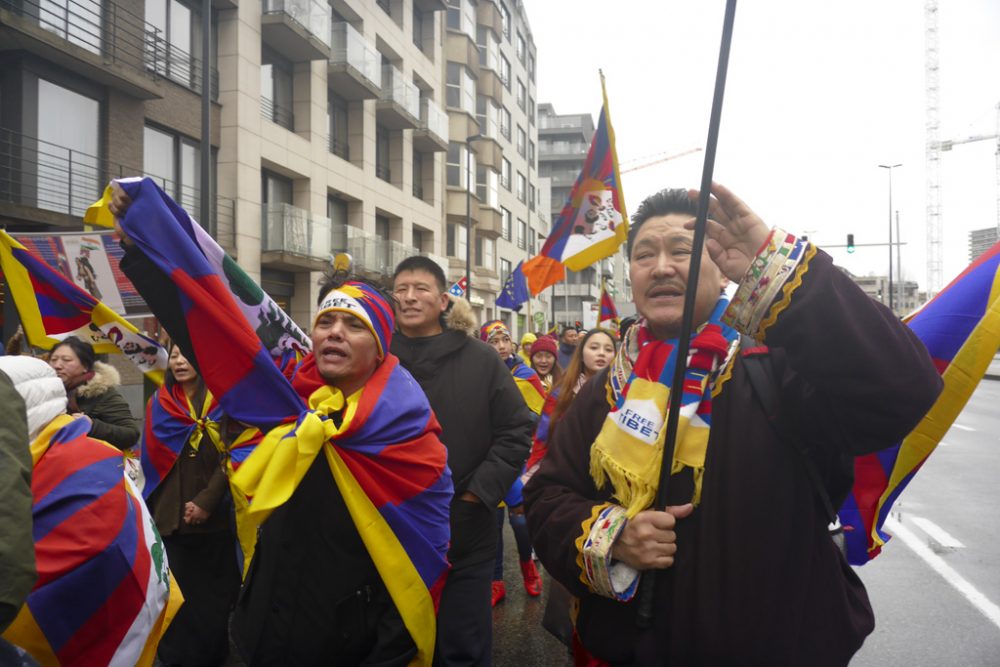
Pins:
x: 981, y: 240
x: 906, y: 298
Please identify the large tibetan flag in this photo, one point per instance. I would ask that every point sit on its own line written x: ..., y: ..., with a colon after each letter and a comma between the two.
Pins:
x: 529, y: 384
x: 961, y: 329
x: 384, y: 456
x: 52, y: 308
x: 608, y: 311
x: 104, y: 595
x: 515, y: 290
x: 593, y: 222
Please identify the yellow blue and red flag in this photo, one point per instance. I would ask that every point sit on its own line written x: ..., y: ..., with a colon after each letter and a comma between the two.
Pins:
x: 51, y: 308
x: 961, y: 329
x: 593, y: 222
x: 384, y: 456
x: 608, y: 310
x: 104, y: 595
x: 528, y: 383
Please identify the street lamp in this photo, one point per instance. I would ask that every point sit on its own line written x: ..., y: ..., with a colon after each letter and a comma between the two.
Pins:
x: 890, y: 167
x: 468, y: 216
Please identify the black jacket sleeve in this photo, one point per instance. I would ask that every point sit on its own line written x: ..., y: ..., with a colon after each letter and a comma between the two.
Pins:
x: 112, y: 420
x: 161, y: 296
x: 511, y: 422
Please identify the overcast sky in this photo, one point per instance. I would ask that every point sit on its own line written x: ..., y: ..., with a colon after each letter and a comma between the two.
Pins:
x: 818, y: 95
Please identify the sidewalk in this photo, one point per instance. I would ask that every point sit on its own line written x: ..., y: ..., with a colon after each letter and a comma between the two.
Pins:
x: 993, y: 372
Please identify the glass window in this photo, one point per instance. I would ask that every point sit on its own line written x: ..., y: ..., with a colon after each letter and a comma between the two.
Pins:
x: 522, y: 94
x: 462, y: 17
x: 505, y: 224
x: 336, y: 112
x: 505, y: 20
x: 505, y: 123
x: 276, y: 89
x: 488, y: 186
x: 489, y: 49
x: 504, y: 269
x: 336, y: 210
x: 531, y: 196
x: 531, y: 66
x: 382, y: 153
x: 531, y: 110
x: 531, y: 154
x: 174, y: 30
x: 505, y: 173
x: 460, y: 90
x: 521, y: 140
x: 519, y: 47
x: 521, y: 189
x: 522, y: 234
x: 457, y: 239
x: 457, y: 167
x: 68, y: 170
x: 504, y: 71
x: 78, y: 21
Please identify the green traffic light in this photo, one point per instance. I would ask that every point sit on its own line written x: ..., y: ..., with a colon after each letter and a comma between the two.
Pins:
x: 850, y: 243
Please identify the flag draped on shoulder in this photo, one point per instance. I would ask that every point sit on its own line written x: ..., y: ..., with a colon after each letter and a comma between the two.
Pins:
x: 961, y: 329
x: 593, y: 222
x: 529, y: 384
x: 384, y: 454
x: 515, y: 290
x: 52, y: 308
x: 104, y: 595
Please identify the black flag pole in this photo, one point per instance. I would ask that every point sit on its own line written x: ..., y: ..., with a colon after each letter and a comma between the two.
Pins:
x: 647, y: 586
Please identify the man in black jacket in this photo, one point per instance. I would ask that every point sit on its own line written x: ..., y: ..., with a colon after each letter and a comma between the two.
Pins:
x: 486, y: 427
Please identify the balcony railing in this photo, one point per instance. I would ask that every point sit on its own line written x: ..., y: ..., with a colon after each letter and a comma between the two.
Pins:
x: 382, y: 171
x: 366, y: 249
x: 433, y: 119
x: 277, y: 113
x: 418, y: 191
x: 395, y: 88
x: 294, y: 230
x: 348, y: 46
x: 40, y: 174
x: 340, y: 148
x: 312, y: 15
x: 396, y: 253
x: 168, y: 61
x: 116, y: 34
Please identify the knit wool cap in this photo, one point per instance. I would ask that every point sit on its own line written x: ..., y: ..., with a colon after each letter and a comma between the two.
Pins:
x: 493, y: 328
x: 365, y: 303
x: 42, y: 390
x: 544, y: 344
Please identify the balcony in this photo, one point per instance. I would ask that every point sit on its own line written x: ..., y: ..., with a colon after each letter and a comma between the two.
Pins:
x: 277, y: 113
x: 432, y: 133
x: 398, y: 107
x: 374, y: 256
x: 490, y: 222
x: 355, y: 71
x: 50, y: 184
x: 297, y: 29
x: 460, y: 48
x: 488, y: 16
x: 169, y: 62
x: 103, y: 45
x: 292, y: 238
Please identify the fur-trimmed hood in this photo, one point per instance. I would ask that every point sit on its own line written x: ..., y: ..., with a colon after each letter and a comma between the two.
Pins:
x: 460, y: 317
x: 105, y: 377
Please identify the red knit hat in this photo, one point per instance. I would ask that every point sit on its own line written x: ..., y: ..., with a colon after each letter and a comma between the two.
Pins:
x: 544, y: 344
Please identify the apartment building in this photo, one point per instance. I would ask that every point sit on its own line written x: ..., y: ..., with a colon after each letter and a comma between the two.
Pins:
x: 492, y: 169
x: 981, y: 240
x: 328, y: 131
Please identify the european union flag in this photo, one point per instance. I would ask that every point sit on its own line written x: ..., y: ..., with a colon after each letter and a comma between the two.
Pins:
x: 515, y: 290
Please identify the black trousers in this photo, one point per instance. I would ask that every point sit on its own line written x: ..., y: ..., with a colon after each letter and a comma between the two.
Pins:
x: 205, y: 568
x: 465, y: 615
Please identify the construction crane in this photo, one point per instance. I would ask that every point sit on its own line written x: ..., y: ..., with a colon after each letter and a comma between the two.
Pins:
x: 935, y: 147
x: 657, y: 158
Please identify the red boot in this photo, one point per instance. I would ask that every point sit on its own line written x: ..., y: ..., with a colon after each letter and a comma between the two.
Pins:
x: 532, y: 582
x: 499, y: 592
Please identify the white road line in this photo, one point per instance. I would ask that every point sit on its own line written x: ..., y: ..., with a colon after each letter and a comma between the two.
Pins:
x: 990, y: 610
x: 937, y: 533
x: 963, y: 428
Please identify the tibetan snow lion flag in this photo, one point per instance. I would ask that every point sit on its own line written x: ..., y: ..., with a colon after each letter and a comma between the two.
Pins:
x: 609, y: 313
x: 384, y: 456
x: 961, y: 329
x: 593, y: 222
x: 104, y: 595
x: 52, y: 308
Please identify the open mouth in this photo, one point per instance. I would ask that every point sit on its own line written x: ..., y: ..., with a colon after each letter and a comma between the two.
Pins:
x: 333, y: 354
x: 666, y: 292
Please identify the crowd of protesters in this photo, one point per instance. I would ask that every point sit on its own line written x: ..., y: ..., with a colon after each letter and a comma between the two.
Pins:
x: 555, y: 433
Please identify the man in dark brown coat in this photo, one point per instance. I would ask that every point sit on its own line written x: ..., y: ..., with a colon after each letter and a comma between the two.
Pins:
x: 749, y: 574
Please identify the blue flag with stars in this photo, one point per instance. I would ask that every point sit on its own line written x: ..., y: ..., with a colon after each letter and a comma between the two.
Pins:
x: 515, y: 290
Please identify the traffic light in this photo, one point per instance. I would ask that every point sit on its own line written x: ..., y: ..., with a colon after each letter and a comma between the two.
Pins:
x: 850, y: 243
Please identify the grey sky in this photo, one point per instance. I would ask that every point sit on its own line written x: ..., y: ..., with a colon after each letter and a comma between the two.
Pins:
x: 818, y: 95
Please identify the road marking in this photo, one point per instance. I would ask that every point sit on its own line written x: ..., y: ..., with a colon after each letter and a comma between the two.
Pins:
x: 990, y: 610
x: 937, y: 533
x: 963, y: 428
